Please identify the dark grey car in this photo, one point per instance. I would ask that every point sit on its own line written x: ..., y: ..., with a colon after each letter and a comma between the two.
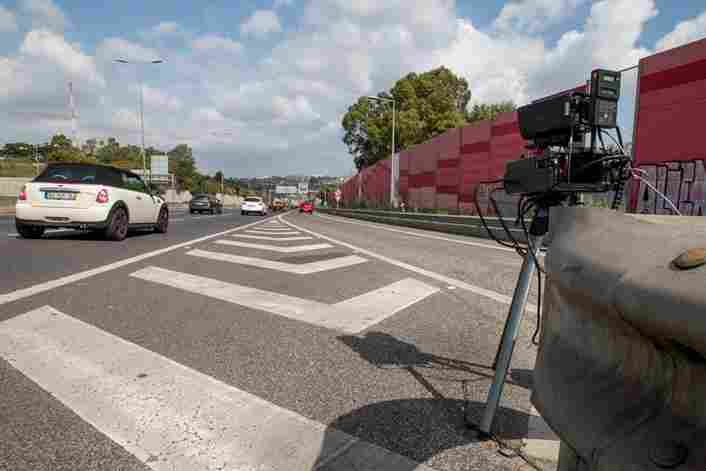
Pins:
x: 205, y: 204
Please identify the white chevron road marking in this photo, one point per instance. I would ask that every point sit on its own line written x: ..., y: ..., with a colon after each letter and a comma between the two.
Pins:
x: 170, y: 416
x: 275, y: 248
x: 286, y: 239
x: 350, y: 316
x: 261, y: 232
x: 295, y: 268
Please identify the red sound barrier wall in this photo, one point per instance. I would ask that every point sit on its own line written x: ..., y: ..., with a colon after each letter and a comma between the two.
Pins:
x: 443, y: 172
x: 668, y: 139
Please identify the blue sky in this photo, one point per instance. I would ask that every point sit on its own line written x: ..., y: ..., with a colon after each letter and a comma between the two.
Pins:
x: 259, y: 87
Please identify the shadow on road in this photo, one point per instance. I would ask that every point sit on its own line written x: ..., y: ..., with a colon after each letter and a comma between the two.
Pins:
x: 417, y: 428
x: 92, y: 235
x: 388, y: 352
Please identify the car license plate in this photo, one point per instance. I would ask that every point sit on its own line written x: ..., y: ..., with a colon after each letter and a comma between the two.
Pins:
x: 60, y: 195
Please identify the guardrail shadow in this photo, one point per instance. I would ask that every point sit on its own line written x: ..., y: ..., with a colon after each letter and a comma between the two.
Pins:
x: 415, y: 428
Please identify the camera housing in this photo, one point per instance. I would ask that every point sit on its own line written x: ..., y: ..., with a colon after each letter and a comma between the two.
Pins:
x: 557, y: 127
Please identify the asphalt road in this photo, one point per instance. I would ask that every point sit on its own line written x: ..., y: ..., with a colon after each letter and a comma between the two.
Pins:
x: 218, y: 346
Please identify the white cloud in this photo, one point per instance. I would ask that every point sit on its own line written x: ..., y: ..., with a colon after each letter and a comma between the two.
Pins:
x: 166, y: 28
x: 52, y: 48
x: 119, y: 48
x: 45, y: 14
x: 684, y: 32
x: 125, y: 120
x: 520, y: 67
x: 8, y: 21
x: 534, y: 15
x: 248, y: 117
x: 261, y: 23
x: 207, y: 115
x: 158, y: 100
x: 214, y: 42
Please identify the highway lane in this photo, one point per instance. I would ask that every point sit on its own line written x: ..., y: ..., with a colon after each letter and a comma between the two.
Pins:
x: 27, y: 262
x: 241, y: 340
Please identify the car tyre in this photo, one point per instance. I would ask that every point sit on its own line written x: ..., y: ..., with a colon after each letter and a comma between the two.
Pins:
x: 162, y: 222
x: 118, y: 224
x: 192, y: 211
x: 29, y: 232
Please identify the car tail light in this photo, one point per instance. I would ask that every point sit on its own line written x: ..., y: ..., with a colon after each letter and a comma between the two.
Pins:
x: 102, y: 196
x: 23, y: 194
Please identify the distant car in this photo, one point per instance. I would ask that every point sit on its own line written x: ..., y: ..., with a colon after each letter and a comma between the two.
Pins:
x: 205, y: 204
x: 306, y: 207
x: 88, y: 197
x: 278, y: 205
x: 253, y: 204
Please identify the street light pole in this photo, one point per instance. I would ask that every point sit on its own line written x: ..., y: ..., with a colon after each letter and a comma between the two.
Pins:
x: 142, y: 112
x: 393, y: 189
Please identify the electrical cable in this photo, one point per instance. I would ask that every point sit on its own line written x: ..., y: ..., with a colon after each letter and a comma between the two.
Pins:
x: 515, y: 242
x: 537, y: 327
x: 485, y: 224
x: 665, y: 198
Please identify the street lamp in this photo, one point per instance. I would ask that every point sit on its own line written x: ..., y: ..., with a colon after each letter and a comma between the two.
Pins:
x: 142, y: 114
x: 393, y: 190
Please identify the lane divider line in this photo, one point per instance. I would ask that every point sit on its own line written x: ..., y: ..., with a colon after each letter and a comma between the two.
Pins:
x: 65, y: 280
x: 487, y: 293
x: 416, y: 234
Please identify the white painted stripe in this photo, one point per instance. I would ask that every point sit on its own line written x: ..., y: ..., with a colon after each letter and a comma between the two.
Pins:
x: 275, y: 248
x: 261, y: 232
x: 65, y: 280
x: 417, y: 234
x: 287, y: 239
x: 494, y: 295
x: 297, y: 269
x: 169, y: 416
x: 273, y: 229
x: 350, y: 316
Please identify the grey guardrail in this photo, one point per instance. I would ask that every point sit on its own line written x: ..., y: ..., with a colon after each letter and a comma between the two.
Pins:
x: 448, y: 223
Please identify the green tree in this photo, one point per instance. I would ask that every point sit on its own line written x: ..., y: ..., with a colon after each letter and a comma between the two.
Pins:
x: 427, y: 105
x: 481, y: 111
x: 108, y: 151
x: 183, y: 166
x: 60, y: 149
x: 18, y: 150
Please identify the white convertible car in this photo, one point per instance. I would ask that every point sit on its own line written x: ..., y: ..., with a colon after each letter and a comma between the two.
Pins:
x: 89, y: 197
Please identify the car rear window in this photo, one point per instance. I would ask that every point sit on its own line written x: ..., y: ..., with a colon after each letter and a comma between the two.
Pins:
x: 200, y: 197
x: 68, y: 174
x: 252, y: 200
x: 83, y: 174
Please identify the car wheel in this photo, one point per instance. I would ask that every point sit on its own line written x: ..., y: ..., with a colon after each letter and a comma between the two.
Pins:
x: 191, y: 211
x: 117, y: 225
x: 29, y: 232
x: 162, y: 222
x: 242, y: 213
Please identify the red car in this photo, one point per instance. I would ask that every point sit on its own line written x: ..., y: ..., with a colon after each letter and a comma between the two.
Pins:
x: 306, y: 207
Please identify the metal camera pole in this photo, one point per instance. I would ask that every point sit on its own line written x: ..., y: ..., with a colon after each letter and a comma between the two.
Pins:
x: 512, y: 326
